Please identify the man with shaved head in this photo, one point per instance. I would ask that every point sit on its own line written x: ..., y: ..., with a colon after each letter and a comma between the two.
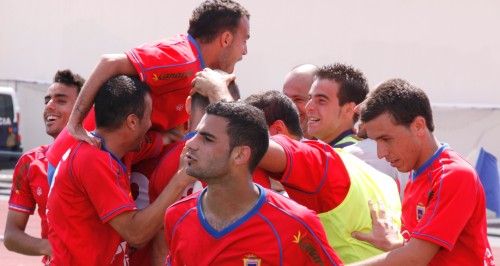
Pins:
x: 296, y: 86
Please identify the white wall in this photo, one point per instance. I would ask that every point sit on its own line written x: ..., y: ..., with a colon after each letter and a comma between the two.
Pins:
x: 449, y: 48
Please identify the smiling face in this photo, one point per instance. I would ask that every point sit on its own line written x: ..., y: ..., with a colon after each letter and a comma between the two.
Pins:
x: 208, y: 152
x: 397, y: 144
x: 324, y: 114
x: 237, y: 46
x: 59, y: 102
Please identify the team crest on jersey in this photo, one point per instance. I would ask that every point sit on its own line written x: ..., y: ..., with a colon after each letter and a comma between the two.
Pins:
x: 38, y: 191
x: 251, y: 260
x: 420, y: 211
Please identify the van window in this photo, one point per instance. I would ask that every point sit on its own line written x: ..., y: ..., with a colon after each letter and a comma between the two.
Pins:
x: 6, y: 110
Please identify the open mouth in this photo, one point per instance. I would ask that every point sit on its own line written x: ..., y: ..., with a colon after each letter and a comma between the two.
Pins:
x: 51, y: 118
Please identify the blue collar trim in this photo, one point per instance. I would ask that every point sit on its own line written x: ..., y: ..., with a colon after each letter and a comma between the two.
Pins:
x: 341, y: 136
x: 197, y: 45
x: 104, y: 148
x: 428, y: 163
x: 218, y: 234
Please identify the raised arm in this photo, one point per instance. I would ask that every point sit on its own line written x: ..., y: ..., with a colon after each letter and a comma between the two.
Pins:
x: 109, y: 66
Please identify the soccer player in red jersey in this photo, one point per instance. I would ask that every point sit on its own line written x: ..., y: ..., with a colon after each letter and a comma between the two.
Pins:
x: 234, y: 220
x: 217, y: 36
x: 444, y: 217
x: 90, y: 210
x: 29, y: 184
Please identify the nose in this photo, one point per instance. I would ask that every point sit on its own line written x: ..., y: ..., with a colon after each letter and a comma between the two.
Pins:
x: 381, y: 150
x: 245, y: 50
x: 191, y: 143
x: 50, y: 104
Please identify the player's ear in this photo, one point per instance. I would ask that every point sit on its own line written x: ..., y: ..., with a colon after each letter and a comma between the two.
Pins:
x: 278, y: 127
x: 349, y: 109
x: 188, y: 105
x: 226, y: 38
x: 241, y: 155
x: 419, y: 126
x: 132, y: 121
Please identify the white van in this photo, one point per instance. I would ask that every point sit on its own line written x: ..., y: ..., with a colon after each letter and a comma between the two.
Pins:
x: 10, y: 139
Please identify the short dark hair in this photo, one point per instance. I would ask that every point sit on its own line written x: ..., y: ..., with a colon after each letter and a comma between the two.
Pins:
x: 201, y: 102
x: 119, y: 97
x: 353, y: 84
x: 246, y: 127
x: 69, y: 78
x: 276, y: 106
x: 215, y: 16
x: 402, y: 100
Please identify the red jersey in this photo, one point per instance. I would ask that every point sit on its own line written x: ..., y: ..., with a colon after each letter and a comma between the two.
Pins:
x: 315, y: 175
x: 30, y: 186
x: 444, y: 203
x: 91, y: 187
x: 276, y: 231
x: 168, y: 165
x: 168, y: 67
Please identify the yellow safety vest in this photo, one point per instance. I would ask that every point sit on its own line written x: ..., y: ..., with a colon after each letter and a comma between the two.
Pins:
x: 353, y: 214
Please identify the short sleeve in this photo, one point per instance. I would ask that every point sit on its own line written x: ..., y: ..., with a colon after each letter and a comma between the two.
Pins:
x: 105, y: 184
x: 451, y: 204
x: 21, y: 198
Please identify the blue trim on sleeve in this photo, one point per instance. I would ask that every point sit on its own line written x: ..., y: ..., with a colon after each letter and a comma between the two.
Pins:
x: 197, y: 45
x: 428, y: 163
x: 106, y: 216
x: 275, y: 232
x: 218, y: 234
x: 445, y: 244
x: 21, y: 208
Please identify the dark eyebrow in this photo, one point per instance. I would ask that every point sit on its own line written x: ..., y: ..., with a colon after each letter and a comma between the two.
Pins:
x: 206, y: 134
x: 320, y: 95
x: 59, y: 95
x: 382, y: 136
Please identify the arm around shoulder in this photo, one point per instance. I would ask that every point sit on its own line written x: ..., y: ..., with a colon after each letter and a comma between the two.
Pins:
x: 109, y: 66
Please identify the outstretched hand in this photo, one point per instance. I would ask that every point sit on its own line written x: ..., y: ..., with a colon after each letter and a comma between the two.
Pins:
x: 213, y: 84
x: 384, y: 235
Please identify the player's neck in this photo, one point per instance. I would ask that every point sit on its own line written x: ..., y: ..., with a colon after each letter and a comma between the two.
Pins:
x: 113, y: 143
x: 224, y: 203
x: 429, y: 147
x: 209, y: 53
